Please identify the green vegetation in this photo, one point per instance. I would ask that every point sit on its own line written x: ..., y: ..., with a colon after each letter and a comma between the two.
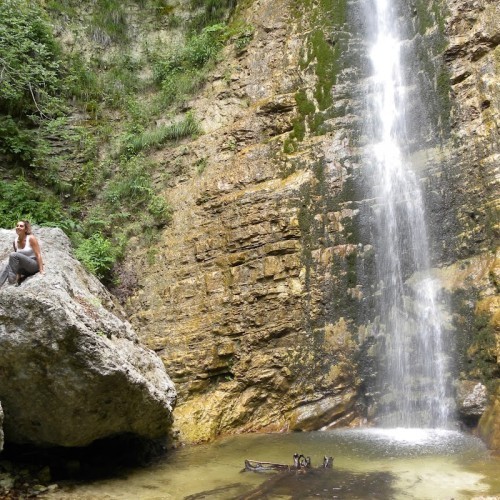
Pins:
x: 134, y: 143
x: 483, y: 349
x: 109, y: 23
x: 19, y: 200
x: 430, y: 49
x: 29, y: 61
x: 97, y: 255
x: 208, y: 12
x: 429, y: 15
x: 76, y: 126
x: 30, y: 83
x: 200, y: 165
x: 131, y: 188
x: 181, y: 70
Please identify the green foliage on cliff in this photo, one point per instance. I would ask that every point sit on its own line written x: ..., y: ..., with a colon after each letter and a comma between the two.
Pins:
x: 482, y: 351
x: 29, y: 60
x: 97, y: 255
x: 31, y: 81
x: 180, y: 70
x: 154, y: 138
x: 77, y: 121
x: 132, y: 189
x: 209, y: 12
x: 430, y: 47
x: 19, y: 200
x: 321, y: 57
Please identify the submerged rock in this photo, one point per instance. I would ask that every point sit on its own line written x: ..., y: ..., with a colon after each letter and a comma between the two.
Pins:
x: 72, y: 368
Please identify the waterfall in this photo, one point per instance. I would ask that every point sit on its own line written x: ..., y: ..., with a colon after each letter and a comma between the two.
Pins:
x: 413, y: 386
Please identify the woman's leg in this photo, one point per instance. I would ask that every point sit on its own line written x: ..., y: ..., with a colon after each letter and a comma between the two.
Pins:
x: 7, y: 273
x: 21, y: 264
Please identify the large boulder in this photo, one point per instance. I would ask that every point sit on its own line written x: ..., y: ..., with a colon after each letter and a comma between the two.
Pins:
x: 72, y: 370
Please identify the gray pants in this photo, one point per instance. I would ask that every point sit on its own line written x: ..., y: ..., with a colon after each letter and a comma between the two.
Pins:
x: 18, y: 264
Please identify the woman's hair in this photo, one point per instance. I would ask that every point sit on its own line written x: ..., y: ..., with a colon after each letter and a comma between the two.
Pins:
x: 27, y: 226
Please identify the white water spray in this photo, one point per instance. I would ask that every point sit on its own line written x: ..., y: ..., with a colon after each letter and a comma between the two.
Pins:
x: 414, y: 372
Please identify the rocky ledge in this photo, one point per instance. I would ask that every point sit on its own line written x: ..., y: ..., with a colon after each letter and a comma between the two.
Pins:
x: 72, y: 370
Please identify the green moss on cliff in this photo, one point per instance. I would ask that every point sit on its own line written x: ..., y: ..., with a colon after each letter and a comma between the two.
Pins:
x: 443, y: 89
x: 321, y: 56
x: 475, y: 339
x: 482, y: 352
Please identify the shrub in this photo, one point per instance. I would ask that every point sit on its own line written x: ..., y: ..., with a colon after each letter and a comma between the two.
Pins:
x: 97, y: 255
x: 149, y: 139
x: 29, y: 62
x: 19, y: 200
x: 160, y: 210
x: 181, y: 71
x: 16, y: 141
x: 132, y: 188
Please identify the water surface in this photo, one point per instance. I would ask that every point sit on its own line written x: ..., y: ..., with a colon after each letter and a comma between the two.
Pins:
x: 368, y: 464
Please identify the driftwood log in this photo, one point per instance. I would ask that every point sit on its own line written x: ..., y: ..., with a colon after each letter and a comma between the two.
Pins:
x: 300, y: 463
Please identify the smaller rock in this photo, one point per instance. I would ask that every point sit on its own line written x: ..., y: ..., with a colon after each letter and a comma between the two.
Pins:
x: 6, y: 481
x: 471, y: 400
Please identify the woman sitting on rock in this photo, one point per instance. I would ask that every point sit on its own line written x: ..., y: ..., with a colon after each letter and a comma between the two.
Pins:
x: 26, y: 259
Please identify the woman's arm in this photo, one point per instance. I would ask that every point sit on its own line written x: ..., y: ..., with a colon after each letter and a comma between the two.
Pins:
x: 36, y: 248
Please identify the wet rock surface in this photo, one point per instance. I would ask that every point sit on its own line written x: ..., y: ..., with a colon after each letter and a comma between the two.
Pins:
x: 72, y: 368
x: 472, y: 400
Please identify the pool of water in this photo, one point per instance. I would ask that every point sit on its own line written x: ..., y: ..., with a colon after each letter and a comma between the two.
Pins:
x: 368, y: 464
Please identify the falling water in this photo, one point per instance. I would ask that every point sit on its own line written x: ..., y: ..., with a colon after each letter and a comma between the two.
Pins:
x: 414, y: 391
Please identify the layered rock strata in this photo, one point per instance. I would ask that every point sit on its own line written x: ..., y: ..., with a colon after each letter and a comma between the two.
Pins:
x: 473, y: 59
x: 258, y: 296
x: 72, y: 368
x: 237, y: 297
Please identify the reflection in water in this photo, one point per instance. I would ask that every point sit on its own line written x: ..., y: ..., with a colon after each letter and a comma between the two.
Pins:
x: 324, y: 483
x: 373, y: 463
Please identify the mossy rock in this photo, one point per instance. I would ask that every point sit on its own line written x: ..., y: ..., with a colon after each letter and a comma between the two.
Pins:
x: 489, y: 424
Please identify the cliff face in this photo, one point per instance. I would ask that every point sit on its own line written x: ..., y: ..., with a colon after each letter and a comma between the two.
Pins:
x: 473, y: 59
x: 237, y: 299
x: 253, y: 296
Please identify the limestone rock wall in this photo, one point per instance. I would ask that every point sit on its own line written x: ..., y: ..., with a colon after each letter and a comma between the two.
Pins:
x: 473, y: 59
x: 236, y: 298
x: 253, y: 296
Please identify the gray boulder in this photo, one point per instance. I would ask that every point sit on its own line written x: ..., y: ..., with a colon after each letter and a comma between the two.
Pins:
x: 71, y: 368
x: 472, y: 399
